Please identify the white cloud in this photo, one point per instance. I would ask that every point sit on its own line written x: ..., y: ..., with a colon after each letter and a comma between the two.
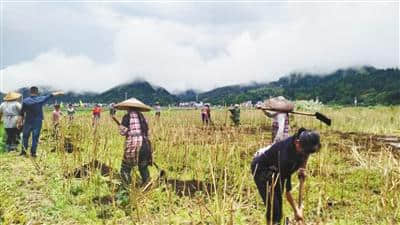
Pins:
x: 179, y: 55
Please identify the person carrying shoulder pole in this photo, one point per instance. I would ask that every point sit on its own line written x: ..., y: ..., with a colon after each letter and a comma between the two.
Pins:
x: 32, y: 118
x: 273, y: 166
x: 280, y: 118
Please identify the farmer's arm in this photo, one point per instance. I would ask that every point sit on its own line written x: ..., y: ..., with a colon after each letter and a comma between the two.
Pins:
x: 269, y: 114
x: 124, y: 126
x: 298, y: 212
x: 302, y: 174
x: 43, y: 99
x: 20, y: 120
x: 281, y: 127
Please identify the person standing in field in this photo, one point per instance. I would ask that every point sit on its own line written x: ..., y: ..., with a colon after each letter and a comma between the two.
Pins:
x: 96, y: 112
x: 273, y: 166
x: 10, y: 111
x: 204, y: 115
x: 137, y: 151
x: 157, y: 108
x: 56, y: 119
x: 208, y: 109
x: 235, y: 115
x: 113, y: 111
x: 32, y: 118
x: 70, y: 112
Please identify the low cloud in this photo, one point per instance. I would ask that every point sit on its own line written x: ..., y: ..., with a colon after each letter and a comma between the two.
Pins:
x: 179, y: 55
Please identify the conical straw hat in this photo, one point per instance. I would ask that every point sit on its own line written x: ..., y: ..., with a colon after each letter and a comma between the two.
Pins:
x: 11, y: 96
x: 279, y: 103
x: 133, y: 103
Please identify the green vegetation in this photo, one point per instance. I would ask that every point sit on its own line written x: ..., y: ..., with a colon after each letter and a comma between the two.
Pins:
x: 355, y: 179
x: 371, y: 87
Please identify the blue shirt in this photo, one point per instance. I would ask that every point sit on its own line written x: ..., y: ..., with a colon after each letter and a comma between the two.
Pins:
x: 32, y: 107
x: 282, y: 156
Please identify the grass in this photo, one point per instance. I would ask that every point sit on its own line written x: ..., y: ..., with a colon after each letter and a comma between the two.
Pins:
x: 353, y: 180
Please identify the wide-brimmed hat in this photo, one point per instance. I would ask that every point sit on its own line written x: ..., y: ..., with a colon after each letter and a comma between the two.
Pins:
x: 133, y: 103
x: 12, y: 96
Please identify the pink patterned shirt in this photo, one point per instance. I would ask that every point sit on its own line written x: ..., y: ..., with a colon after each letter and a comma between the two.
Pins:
x: 133, y: 136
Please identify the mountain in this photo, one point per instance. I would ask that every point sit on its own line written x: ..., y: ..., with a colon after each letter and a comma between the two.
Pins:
x: 230, y: 94
x: 188, y: 96
x: 371, y: 86
x: 138, y: 89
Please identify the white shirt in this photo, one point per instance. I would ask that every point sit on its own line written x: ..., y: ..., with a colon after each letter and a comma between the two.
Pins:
x: 11, y: 111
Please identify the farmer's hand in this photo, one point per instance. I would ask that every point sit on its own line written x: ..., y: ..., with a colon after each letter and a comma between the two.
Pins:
x: 57, y: 93
x: 298, y: 214
x: 302, y: 173
x: 19, y: 123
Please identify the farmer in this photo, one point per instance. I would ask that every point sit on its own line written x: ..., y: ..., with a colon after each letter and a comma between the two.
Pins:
x: 235, y: 115
x: 273, y: 166
x: 113, y: 111
x: 157, y: 108
x: 208, y: 110
x: 280, y: 119
x: 56, y: 119
x: 96, y: 114
x: 137, y: 150
x: 204, y: 115
x: 9, y: 112
x: 280, y: 125
x: 70, y: 112
x: 32, y: 117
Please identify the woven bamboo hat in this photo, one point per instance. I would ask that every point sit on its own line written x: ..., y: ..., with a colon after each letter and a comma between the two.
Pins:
x: 133, y: 103
x: 12, y: 96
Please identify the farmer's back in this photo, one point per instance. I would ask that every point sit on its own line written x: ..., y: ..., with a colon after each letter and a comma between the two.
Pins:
x: 280, y: 155
x: 32, y: 107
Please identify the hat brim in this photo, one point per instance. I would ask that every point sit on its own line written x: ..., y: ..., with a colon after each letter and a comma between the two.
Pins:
x: 12, y: 97
x: 133, y: 104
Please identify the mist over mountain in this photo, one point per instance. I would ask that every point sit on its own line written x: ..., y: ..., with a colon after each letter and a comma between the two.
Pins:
x: 369, y: 85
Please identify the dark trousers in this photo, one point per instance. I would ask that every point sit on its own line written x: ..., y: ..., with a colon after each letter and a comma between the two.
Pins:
x: 126, y: 168
x: 11, y: 138
x: 204, y: 118
x: 33, y: 127
x: 270, y: 189
x: 145, y: 158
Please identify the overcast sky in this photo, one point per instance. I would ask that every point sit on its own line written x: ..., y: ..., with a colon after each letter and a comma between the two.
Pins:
x: 95, y: 46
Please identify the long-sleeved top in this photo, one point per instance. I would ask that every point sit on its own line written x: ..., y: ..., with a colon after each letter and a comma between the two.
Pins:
x: 131, y: 129
x: 283, y: 157
x: 32, y: 107
x: 280, y: 125
x: 10, y: 111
